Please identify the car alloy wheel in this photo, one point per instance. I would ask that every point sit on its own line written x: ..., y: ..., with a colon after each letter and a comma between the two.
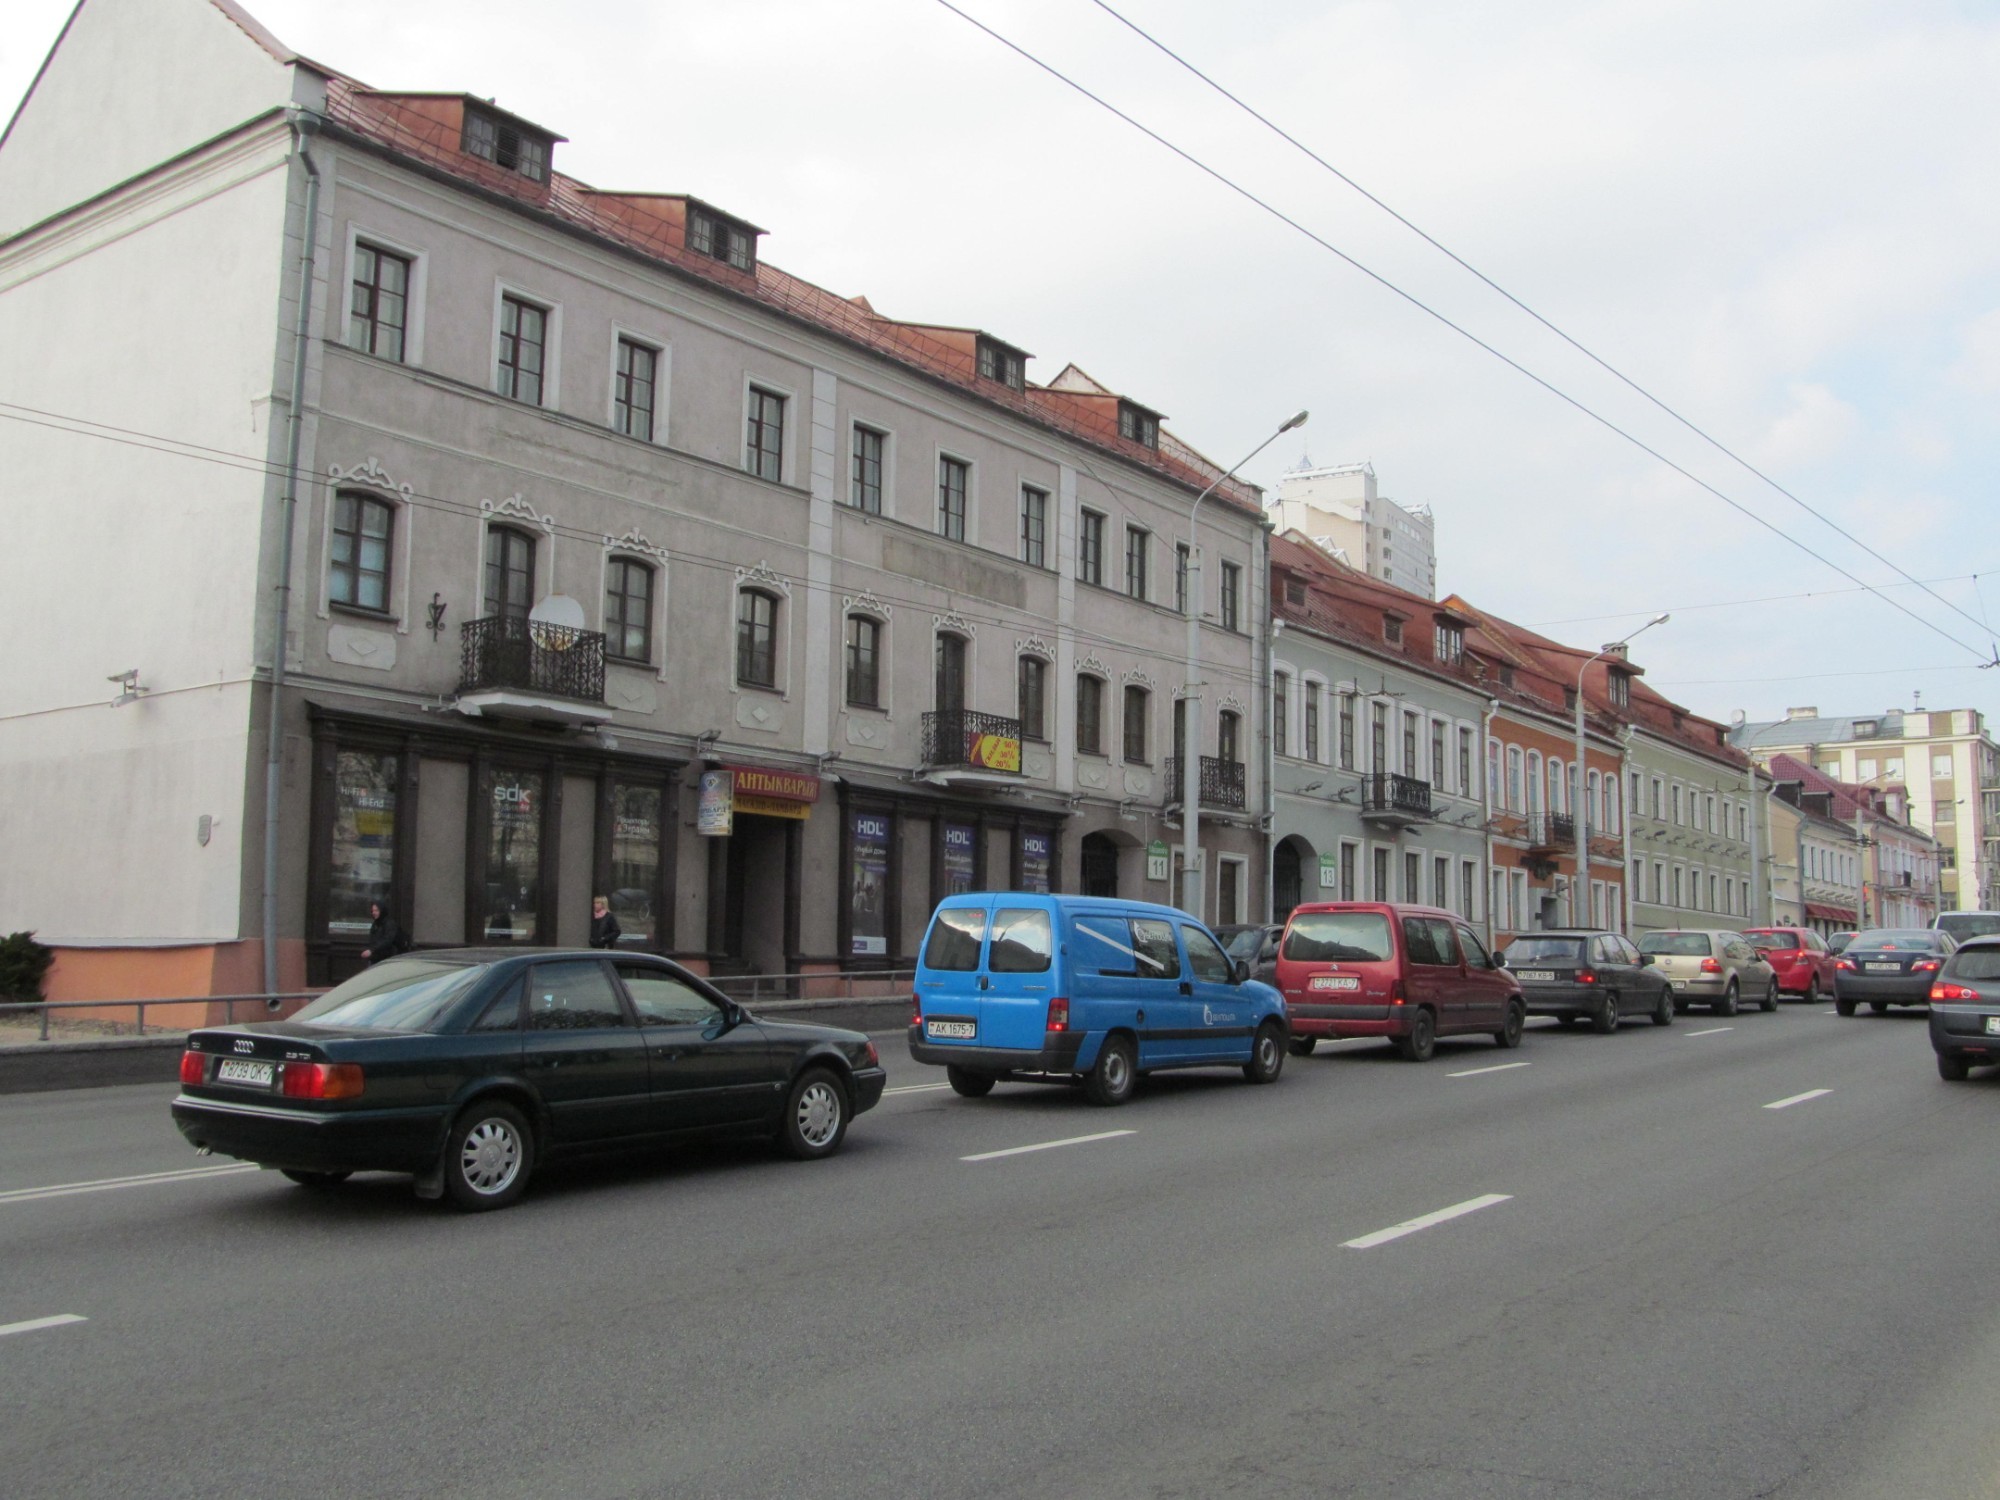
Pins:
x: 815, y: 1115
x: 488, y: 1156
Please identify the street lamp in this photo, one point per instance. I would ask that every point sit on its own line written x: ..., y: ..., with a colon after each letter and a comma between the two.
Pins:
x: 1190, y: 723
x: 1579, y: 906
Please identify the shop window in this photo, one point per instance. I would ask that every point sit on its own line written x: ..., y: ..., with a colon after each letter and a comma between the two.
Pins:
x: 513, y: 855
x: 364, y: 840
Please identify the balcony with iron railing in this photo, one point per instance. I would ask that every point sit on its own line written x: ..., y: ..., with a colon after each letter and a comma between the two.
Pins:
x: 1222, y: 782
x: 958, y: 739
x: 512, y: 667
x: 1401, y: 801
x: 1550, y: 830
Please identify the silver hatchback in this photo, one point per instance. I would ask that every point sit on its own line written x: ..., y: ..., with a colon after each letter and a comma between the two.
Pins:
x: 1708, y: 966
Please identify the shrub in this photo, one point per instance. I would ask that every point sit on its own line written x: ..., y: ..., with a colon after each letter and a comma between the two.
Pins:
x: 24, y: 964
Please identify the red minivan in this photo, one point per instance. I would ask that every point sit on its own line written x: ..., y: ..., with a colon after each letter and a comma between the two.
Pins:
x: 1408, y: 973
x: 1800, y: 956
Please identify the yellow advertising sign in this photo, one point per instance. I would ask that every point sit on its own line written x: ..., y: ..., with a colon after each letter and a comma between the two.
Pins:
x: 771, y: 807
x: 996, y: 752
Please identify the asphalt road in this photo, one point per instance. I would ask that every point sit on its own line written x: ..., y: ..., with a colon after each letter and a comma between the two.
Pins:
x: 1656, y: 1284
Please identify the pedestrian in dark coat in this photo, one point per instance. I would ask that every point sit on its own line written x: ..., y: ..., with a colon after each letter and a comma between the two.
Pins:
x: 604, y: 928
x: 386, y: 937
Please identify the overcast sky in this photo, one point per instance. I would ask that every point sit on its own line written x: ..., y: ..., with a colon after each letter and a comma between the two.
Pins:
x: 1779, y: 218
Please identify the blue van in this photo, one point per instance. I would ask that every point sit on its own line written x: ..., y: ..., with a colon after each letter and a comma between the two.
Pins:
x: 1057, y: 988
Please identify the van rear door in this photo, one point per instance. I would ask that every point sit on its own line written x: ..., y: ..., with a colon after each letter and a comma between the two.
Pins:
x: 1019, y: 977
x: 951, y: 977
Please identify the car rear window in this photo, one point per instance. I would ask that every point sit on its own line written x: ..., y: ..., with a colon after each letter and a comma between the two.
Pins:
x: 1773, y: 942
x: 953, y: 946
x: 402, y: 994
x: 1903, y: 942
x: 1353, y: 937
x: 1974, y: 963
x: 1966, y: 924
x: 1676, y: 944
x: 1021, y: 941
x: 1530, y: 950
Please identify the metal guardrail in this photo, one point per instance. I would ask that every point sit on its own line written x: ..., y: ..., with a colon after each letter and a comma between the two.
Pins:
x: 269, y: 1002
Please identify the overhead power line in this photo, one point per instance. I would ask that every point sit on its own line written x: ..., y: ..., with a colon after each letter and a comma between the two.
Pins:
x: 1377, y: 277
x: 1591, y: 355
x: 1678, y: 609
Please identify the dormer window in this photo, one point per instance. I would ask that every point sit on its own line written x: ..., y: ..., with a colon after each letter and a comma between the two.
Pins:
x: 1449, y: 640
x: 1621, y: 689
x: 506, y: 145
x: 1002, y: 363
x: 1138, y: 425
x: 1392, y: 629
x: 723, y: 239
x: 1506, y: 676
x: 1295, y: 591
x: 1866, y: 729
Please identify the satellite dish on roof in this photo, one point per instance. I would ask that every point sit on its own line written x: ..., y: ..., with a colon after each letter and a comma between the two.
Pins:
x: 551, y: 622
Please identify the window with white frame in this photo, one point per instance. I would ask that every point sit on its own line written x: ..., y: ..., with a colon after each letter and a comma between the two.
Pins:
x: 764, y: 435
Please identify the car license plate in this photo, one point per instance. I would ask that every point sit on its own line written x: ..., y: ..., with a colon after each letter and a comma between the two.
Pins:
x: 960, y: 1031
x: 1993, y: 1025
x: 1679, y: 984
x: 1334, y: 982
x: 1534, y: 973
x: 236, y: 1070
x: 1883, y: 968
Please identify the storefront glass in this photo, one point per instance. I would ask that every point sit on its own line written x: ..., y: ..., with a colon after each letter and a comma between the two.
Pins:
x: 635, y: 864
x: 513, y: 855
x: 364, y: 839
x: 868, y: 883
x: 1036, y: 850
x: 961, y: 847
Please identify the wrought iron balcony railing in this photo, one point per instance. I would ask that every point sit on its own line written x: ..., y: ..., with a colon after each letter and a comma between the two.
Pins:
x: 1551, y: 831
x: 1387, y: 797
x: 1222, y: 782
x: 509, y: 653
x: 979, y: 742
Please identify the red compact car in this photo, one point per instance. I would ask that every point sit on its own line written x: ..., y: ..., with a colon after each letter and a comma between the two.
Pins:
x: 1800, y: 956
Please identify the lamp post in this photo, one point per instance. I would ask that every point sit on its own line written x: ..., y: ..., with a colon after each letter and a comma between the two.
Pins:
x: 1190, y: 746
x: 1579, y: 905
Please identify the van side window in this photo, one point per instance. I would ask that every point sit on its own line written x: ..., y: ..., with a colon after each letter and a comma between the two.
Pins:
x: 1417, y: 939
x: 1153, y: 942
x: 1104, y: 944
x: 1475, y: 951
x: 1441, y: 940
x: 955, y: 937
x: 1208, y: 961
x: 1021, y: 941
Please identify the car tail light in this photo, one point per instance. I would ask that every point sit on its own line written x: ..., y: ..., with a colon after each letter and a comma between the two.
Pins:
x: 1396, y: 993
x: 303, y: 1080
x: 870, y: 1057
x: 916, y: 1010
x: 1845, y: 963
x: 1058, y: 1014
x: 194, y: 1067
x: 1710, y: 966
x: 1586, y: 976
x: 1926, y: 966
x: 1945, y: 990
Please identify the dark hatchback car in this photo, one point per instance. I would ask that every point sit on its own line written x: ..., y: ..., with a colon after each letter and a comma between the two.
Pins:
x: 467, y: 1068
x: 1596, y: 976
x: 1965, y: 1009
x: 1889, y: 966
x: 1256, y: 943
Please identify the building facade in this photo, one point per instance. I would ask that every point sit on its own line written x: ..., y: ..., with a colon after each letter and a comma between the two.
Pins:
x: 1859, y: 841
x: 1337, y: 508
x: 619, y: 561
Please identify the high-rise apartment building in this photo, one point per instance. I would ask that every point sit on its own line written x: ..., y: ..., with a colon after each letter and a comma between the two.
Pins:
x: 1339, y: 508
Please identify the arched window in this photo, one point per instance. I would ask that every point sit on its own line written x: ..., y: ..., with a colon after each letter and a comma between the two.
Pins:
x: 510, y: 573
x: 1534, y: 807
x: 1228, y: 728
x: 628, y: 609
x: 1031, y: 695
x: 363, y: 530
x: 1089, y: 715
x: 1281, y: 699
x: 757, y: 639
x: 864, y: 661
x: 1138, y: 706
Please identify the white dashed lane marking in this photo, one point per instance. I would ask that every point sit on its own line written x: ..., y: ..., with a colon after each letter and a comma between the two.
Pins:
x: 1495, y: 1068
x: 1799, y: 1098
x: 1075, y: 1140
x: 111, y: 1184
x: 33, y: 1324
x: 1708, y: 1031
x: 1426, y: 1221
x: 915, y: 1088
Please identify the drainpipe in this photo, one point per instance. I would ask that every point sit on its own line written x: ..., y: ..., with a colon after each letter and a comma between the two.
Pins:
x: 304, y: 124
x: 1486, y: 801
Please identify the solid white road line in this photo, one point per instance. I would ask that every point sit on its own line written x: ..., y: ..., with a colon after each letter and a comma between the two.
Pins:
x: 915, y: 1088
x: 107, y: 1184
x: 1411, y: 1226
x: 1075, y: 1140
x: 1799, y: 1098
x: 1495, y: 1068
x: 1709, y: 1031
x: 33, y: 1323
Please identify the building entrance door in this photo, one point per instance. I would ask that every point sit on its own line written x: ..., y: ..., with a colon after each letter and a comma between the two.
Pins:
x: 1100, y: 865
x: 758, y: 894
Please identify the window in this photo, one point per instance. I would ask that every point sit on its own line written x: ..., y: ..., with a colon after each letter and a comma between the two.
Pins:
x: 1468, y: 893
x: 1031, y: 674
x: 764, y: 440
x: 1534, y: 784
x: 1138, y: 425
x: 1228, y: 729
x: 999, y: 362
x: 1347, y: 731
x: 726, y: 240
x: 358, y: 569
x: 1449, y: 642
x: 954, y: 475
x: 864, y: 661
x: 1231, y: 601
x: 662, y: 1000
x: 1659, y: 804
x: 1090, y: 548
x: 1493, y: 787
x: 948, y: 676
x: 1392, y: 629
x: 1438, y: 762
x: 1137, y: 703
x: 1295, y: 591
x: 756, y: 639
x: 1136, y: 543
x: 510, y: 573
x: 865, y: 479
x: 1514, y: 797
x: 1348, y: 854
x: 1621, y: 688
x: 1281, y: 695
x: 1441, y: 881
x: 1034, y: 526
x: 1181, y: 557
x: 628, y: 610
x: 632, y: 397
x: 1410, y: 767
x: 1465, y: 769
x: 1090, y: 716
x: 523, y: 352
x: 378, y: 302
x: 1677, y: 804
x: 1378, y: 737
x: 506, y: 145
x: 1379, y: 889
x: 363, y: 848
x: 1312, y: 722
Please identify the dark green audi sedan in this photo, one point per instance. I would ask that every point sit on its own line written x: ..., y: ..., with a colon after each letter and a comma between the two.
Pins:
x: 467, y: 1068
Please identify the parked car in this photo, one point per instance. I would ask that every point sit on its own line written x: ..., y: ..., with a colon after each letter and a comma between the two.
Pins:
x: 1836, y: 942
x: 1256, y: 943
x: 1965, y: 1009
x: 1890, y: 966
x: 1967, y: 924
x: 1708, y: 966
x: 1078, y: 988
x: 1410, y: 974
x: 1580, y: 974
x: 1800, y: 957
x: 469, y: 1068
